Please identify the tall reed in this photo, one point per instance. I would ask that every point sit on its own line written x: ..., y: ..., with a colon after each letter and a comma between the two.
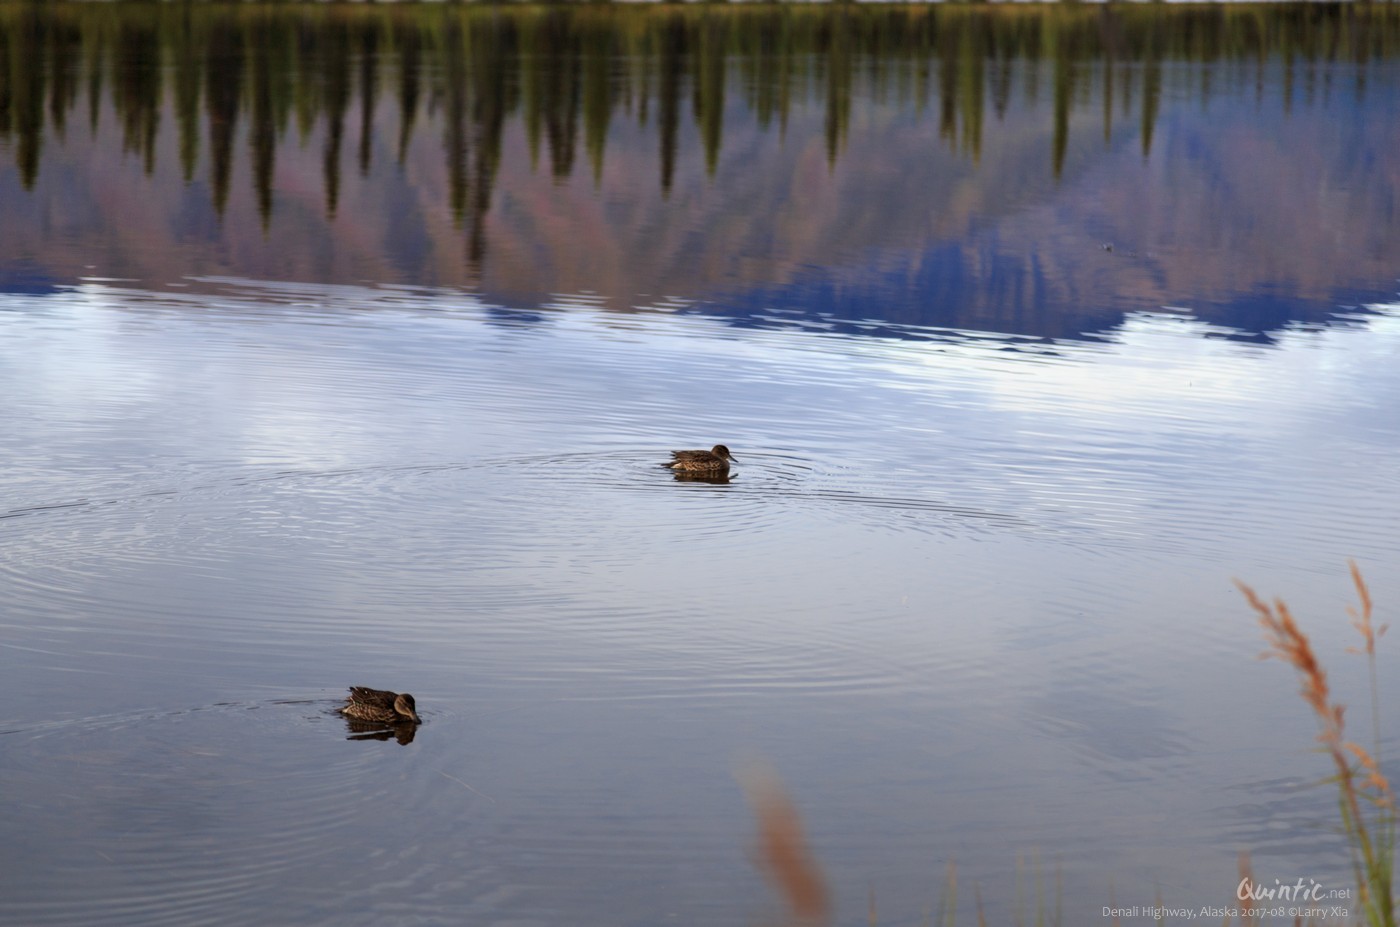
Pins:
x: 1365, y: 797
x: 1360, y: 782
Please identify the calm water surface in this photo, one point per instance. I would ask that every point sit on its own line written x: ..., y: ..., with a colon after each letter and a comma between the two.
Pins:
x: 341, y: 345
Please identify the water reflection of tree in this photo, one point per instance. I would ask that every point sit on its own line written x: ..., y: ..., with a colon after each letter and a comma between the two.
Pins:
x: 566, y: 73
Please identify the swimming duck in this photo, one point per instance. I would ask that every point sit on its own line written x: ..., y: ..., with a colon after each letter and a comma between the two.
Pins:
x: 711, y: 461
x: 377, y: 705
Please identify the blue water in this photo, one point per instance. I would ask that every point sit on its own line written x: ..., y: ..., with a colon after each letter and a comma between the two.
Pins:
x: 1011, y: 408
x: 971, y: 603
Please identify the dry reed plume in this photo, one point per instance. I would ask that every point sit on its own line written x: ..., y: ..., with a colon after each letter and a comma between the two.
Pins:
x: 1371, y: 841
x: 784, y: 858
x: 782, y: 852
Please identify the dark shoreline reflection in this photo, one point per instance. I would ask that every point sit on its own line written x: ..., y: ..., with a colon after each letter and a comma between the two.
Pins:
x: 1041, y: 171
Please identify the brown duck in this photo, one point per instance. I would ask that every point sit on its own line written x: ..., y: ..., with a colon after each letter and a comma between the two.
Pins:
x: 378, y: 705
x: 715, y: 460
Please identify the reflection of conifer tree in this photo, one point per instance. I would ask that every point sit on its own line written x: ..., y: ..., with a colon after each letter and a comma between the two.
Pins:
x: 494, y: 56
x: 8, y: 58
x: 639, y: 82
x: 1110, y: 48
x: 409, y: 40
x: 562, y: 61
x: 839, y: 68
x: 369, y: 88
x: 532, y: 87
x: 597, y: 92
x: 223, y: 90
x: 972, y: 70
x: 1151, y: 99
x: 921, y: 79
x: 1107, y: 94
x: 1358, y: 60
x: 769, y: 60
x: 873, y: 51
x: 1288, y: 79
x: 93, y: 56
x: 188, y: 74
x: 671, y: 68
x: 136, y: 86
x: 1001, y: 85
x: 25, y: 77
x: 65, y: 44
x: 263, y: 118
x: 914, y: 70
x: 1064, y: 70
x: 1031, y: 88
x: 282, y: 72
x: 1112, y: 34
x: 454, y: 72
x: 787, y: 78
x: 335, y: 96
x: 307, y: 89
x: 947, y: 86
x: 561, y: 95
x: 709, y: 86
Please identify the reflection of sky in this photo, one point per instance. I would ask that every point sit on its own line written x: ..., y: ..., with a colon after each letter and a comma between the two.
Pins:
x: 1158, y: 414
x: 970, y: 594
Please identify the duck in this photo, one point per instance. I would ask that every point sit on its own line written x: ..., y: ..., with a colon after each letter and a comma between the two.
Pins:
x: 712, y: 461
x: 364, y: 704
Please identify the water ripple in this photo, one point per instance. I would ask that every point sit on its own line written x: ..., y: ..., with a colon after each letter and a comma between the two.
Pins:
x: 184, y: 817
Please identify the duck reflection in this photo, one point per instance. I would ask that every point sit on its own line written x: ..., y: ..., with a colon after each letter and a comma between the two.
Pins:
x: 692, y: 476
x: 403, y: 732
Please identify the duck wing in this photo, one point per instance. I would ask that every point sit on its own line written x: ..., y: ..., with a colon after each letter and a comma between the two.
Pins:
x: 367, y: 696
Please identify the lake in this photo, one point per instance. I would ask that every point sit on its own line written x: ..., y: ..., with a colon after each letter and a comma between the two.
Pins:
x: 342, y: 345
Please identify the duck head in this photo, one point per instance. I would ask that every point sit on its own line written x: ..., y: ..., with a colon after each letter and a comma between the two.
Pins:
x: 404, y: 707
